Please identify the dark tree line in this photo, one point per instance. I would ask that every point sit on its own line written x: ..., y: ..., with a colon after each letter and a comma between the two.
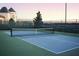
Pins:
x: 37, y: 21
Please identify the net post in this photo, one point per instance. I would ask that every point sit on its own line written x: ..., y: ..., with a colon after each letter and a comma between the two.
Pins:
x: 11, y: 32
x: 53, y: 30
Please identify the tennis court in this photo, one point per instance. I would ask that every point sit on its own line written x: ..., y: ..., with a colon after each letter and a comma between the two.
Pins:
x: 53, y: 42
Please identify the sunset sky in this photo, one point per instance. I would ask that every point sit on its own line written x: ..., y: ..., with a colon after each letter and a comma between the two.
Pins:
x: 50, y: 11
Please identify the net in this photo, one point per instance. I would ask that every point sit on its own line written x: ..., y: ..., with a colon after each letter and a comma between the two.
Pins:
x: 31, y: 31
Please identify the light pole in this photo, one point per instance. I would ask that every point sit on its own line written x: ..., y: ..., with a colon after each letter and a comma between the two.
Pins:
x: 65, y: 12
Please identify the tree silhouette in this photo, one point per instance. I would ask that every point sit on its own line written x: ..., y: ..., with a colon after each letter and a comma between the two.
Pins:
x: 38, y: 21
x: 11, y: 23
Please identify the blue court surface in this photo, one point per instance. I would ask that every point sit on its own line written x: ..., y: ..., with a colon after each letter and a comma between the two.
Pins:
x: 56, y: 42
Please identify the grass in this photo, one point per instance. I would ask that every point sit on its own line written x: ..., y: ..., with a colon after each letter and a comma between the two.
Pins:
x: 11, y: 46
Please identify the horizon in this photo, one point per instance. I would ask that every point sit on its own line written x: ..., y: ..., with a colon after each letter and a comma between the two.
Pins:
x: 55, y: 14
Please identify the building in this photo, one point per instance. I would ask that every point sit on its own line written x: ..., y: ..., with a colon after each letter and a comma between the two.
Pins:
x: 6, y: 14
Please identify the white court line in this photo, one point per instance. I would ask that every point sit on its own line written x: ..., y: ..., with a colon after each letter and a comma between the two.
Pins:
x: 49, y: 49
x: 68, y: 50
x: 52, y: 50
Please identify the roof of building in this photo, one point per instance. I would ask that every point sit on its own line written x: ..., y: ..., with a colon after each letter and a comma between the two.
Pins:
x: 4, y: 10
x: 11, y: 10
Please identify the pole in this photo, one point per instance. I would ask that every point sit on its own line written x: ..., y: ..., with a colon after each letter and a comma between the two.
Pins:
x: 11, y: 32
x: 65, y: 12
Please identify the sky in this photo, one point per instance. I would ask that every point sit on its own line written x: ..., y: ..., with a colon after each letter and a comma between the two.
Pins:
x: 52, y: 12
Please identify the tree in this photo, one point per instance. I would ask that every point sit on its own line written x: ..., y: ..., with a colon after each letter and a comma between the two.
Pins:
x: 11, y: 23
x: 38, y: 20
